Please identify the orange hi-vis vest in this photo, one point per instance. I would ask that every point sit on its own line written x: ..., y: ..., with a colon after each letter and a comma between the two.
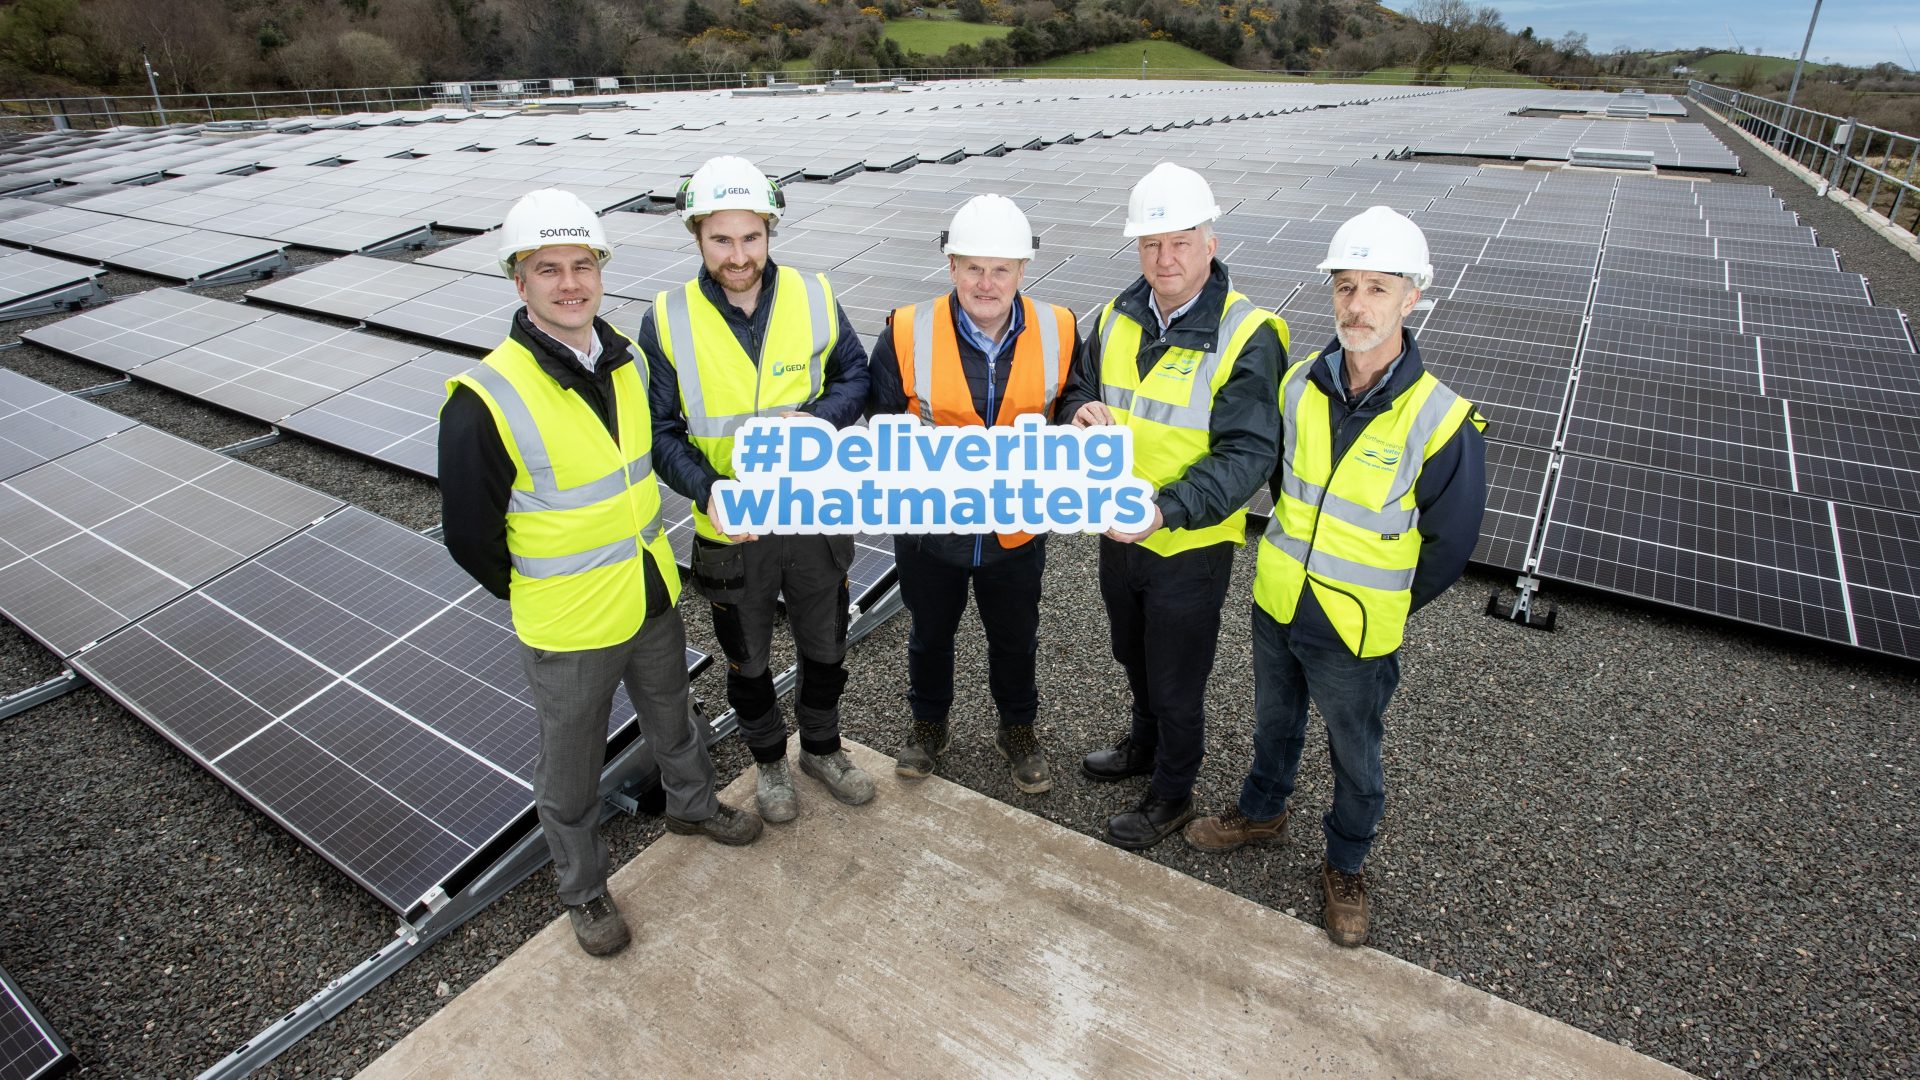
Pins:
x: 927, y: 345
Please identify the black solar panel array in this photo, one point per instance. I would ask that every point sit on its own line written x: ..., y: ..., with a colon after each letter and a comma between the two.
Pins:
x: 29, y: 1047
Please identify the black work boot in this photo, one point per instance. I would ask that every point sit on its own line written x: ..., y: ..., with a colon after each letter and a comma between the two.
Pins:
x: 1150, y: 822
x: 1124, y: 760
x: 1025, y: 760
x: 921, y: 753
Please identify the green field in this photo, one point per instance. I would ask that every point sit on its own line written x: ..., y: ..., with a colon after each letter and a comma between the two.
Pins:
x: 1163, y: 57
x: 931, y: 37
x: 1728, y: 65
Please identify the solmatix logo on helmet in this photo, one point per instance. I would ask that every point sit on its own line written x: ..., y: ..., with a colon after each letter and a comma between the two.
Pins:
x: 572, y: 230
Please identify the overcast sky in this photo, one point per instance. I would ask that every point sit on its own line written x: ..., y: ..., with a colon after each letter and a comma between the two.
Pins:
x: 1849, y: 32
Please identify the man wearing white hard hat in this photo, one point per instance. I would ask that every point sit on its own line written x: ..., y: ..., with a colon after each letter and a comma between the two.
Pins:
x: 1376, y: 508
x: 545, y: 503
x: 984, y: 354
x: 1190, y: 365
x: 747, y: 338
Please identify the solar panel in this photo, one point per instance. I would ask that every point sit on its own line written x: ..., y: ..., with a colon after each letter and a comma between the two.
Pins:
x: 1880, y: 558
x: 1761, y: 557
x: 1830, y: 285
x: 1857, y: 456
x: 1853, y: 325
x: 29, y: 1047
x: 356, y: 686
x: 277, y: 366
x: 1497, y: 284
x: 1677, y: 351
x: 1520, y: 399
x: 143, y: 327
x: 39, y: 423
x: 97, y: 538
x: 1838, y: 375
x: 33, y: 284
x: 354, y: 286
x: 393, y: 417
x: 473, y: 311
x: 1688, y: 429
x: 1516, y: 492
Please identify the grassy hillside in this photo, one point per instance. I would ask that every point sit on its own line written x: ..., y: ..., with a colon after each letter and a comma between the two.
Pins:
x: 1727, y: 65
x: 1162, y: 56
x: 935, y: 36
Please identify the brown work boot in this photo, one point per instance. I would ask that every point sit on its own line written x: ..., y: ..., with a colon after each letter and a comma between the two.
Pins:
x: 1346, y: 905
x: 1233, y: 829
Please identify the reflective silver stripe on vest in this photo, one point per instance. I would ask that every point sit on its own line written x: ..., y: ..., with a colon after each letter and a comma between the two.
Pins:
x: 922, y: 387
x: 1197, y: 413
x: 587, y: 494
x: 823, y: 326
x: 521, y: 425
x: 673, y: 311
x: 612, y: 554
x: 1334, y: 568
x: 1046, y: 315
x: 1393, y: 519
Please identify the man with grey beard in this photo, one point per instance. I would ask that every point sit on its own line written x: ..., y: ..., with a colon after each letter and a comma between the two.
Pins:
x: 1376, y: 508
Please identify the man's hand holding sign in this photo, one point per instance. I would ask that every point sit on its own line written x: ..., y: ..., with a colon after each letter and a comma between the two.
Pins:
x: 1096, y: 414
x: 796, y: 474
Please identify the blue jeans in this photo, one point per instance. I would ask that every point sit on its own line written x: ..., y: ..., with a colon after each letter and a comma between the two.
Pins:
x: 1352, y: 695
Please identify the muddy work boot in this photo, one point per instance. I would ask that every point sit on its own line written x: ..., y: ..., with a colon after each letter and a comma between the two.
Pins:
x: 921, y: 753
x: 598, y: 927
x: 1025, y: 759
x: 726, y: 826
x: 844, y: 780
x: 1233, y: 829
x: 773, y: 792
x: 1346, y: 905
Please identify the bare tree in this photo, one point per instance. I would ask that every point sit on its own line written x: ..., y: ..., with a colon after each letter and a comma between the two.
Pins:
x: 1448, y: 25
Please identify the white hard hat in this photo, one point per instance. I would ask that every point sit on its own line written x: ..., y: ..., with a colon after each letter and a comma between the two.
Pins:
x: 550, y: 217
x: 991, y: 227
x: 1169, y: 199
x: 729, y: 183
x: 1380, y: 239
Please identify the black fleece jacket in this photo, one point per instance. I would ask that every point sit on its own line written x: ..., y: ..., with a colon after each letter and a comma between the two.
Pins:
x: 1244, y: 430
x: 476, y: 473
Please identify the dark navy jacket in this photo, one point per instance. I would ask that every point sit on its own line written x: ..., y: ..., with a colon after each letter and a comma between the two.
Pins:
x: 680, y: 464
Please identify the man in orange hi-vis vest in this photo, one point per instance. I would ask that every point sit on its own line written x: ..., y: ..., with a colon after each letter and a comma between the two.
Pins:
x: 985, y: 354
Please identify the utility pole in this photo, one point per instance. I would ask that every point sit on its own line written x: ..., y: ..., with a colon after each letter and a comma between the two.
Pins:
x: 1802, y: 62
x: 1143, y: 65
x: 153, y: 84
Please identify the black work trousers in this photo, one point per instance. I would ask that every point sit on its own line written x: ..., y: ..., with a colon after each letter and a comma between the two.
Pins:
x: 1164, y: 615
x: 1007, y: 592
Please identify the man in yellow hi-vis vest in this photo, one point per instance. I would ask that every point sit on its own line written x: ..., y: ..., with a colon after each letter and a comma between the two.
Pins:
x: 1376, y: 509
x: 747, y: 338
x: 549, y: 501
x: 985, y: 353
x: 1190, y: 365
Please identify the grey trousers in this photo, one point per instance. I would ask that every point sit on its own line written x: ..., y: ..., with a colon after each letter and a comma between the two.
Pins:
x: 744, y: 582
x: 573, y: 694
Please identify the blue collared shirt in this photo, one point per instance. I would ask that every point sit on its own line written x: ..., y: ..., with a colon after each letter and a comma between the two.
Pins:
x: 1337, y: 367
x: 992, y: 349
x: 1167, y: 319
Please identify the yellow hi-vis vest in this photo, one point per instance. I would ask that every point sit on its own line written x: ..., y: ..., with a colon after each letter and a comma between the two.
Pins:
x: 1171, y: 409
x: 1349, y: 528
x: 582, y: 510
x: 721, y: 387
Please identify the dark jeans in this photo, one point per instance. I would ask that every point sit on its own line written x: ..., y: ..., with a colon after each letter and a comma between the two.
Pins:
x: 1352, y: 695
x: 1007, y: 592
x: 1164, y: 614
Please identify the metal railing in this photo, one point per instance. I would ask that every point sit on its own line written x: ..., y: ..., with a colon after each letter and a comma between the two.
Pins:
x: 1846, y: 154
x: 43, y: 114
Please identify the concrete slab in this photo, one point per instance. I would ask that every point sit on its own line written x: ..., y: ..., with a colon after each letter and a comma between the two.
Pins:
x: 937, y: 932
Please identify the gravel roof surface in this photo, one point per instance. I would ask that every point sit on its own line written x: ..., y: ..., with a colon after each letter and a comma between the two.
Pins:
x: 1688, y: 836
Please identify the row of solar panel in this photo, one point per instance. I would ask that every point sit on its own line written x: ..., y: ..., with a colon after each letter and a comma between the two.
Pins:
x: 336, y: 669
